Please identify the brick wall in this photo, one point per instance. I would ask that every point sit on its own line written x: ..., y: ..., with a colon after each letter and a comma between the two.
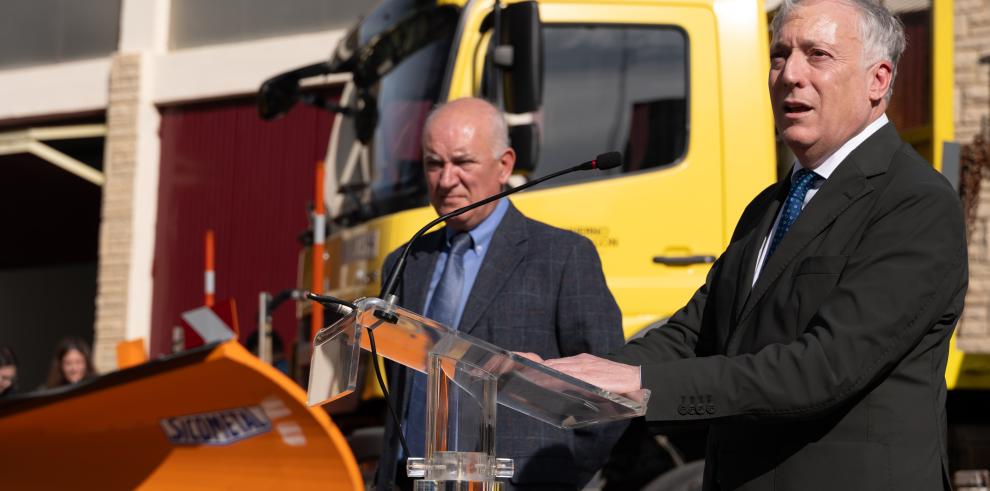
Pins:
x: 972, y: 25
x: 974, y: 330
x: 972, y: 79
x: 119, y: 163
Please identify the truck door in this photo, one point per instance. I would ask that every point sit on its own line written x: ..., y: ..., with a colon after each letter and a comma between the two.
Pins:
x: 641, y: 79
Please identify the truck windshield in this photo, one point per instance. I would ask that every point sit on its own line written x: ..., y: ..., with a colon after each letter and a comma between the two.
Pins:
x: 405, y: 96
x: 394, y: 179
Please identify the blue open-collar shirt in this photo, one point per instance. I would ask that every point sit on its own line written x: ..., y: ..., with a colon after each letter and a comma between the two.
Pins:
x: 481, y: 235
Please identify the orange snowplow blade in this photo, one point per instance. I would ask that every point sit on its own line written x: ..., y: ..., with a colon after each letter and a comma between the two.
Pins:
x: 215, y: 417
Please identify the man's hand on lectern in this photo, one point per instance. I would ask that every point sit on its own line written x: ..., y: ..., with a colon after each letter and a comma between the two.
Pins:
x: 609, y: 375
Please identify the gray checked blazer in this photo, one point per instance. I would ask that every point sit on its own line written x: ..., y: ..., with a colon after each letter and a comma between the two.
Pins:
x: 540, y: 289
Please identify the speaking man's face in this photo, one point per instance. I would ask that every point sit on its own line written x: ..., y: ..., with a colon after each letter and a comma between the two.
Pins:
x: 821, y: 91
x: 461, y: 164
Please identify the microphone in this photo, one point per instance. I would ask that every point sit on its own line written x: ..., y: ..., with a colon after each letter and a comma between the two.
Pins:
x: 605, y: 161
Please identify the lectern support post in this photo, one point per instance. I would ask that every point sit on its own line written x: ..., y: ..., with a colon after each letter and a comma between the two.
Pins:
x: 459, y: 456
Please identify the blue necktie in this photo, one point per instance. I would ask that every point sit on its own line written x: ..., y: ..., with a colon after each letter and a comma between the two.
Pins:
x: 443, y: 308
x: 803, y: 179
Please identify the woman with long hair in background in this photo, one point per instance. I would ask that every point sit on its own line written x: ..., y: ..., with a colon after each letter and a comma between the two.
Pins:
x: 72, y: 363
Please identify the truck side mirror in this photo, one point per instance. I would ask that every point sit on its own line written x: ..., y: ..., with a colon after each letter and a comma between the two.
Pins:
x: 519, y: 57
x: 277, y: 95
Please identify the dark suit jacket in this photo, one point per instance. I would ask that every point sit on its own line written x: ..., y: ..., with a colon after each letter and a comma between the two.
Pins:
x: 540, y: 289
x: 828, y: 374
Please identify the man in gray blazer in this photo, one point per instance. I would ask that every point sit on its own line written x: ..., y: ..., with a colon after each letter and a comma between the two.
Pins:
x: 499, y: 276
x: 816, y: 349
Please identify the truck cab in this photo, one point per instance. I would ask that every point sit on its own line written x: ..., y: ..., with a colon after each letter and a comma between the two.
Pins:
x: 663, y: 82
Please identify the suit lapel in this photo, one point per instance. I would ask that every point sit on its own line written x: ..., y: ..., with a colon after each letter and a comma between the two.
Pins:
x: 834, y: 197
x: 846, y: 185
x: 754, y: 242
x: 504, y: 254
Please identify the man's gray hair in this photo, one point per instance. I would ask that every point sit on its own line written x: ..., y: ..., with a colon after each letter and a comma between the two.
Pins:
x: 496, y: 123
x: 882, y: 33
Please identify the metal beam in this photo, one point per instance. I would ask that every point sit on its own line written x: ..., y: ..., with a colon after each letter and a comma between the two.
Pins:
x: 30, y: 141
x: 66, y: 162
x: 72, y: 132
x: 13, y: 142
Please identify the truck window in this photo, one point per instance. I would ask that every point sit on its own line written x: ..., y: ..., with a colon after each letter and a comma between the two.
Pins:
x: 405, y: 96
x: 612, y: 87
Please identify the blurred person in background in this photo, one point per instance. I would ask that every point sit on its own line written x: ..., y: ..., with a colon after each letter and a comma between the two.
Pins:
x: 8, y: 372
x: 72, y: 363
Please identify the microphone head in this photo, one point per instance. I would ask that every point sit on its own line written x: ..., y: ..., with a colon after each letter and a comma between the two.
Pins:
x: 609, y: 160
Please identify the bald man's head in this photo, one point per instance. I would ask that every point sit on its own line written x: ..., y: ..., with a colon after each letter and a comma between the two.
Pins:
x: 487, y: 115
x: 466, y: 158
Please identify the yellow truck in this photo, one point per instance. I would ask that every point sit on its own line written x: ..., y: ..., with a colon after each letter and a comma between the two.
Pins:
x: 678, y: 86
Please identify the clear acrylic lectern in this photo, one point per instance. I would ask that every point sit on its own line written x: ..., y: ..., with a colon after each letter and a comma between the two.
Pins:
x: 466, y: 378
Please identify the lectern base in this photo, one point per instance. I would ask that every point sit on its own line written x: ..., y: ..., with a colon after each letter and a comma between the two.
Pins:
x: 459, y: 471
x: 424, y: 485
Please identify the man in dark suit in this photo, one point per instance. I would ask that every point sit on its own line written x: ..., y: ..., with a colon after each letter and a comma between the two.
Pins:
x: 816, y: 349
x: 499, y: 276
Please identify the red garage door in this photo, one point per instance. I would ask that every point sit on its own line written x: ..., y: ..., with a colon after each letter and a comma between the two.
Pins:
x: 249, y: 180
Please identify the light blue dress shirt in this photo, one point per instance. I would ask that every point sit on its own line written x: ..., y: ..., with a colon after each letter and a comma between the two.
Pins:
x: 482, y: 237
